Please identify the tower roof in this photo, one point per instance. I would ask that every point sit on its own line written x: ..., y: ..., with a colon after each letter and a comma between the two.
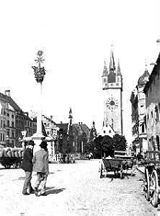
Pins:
x: 112, y: 66
x: 105, y: 70
x: 144, y: 78
x: 118, y: 68
x: 70, y: 113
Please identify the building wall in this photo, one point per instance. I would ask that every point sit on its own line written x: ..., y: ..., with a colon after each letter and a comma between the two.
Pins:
x: 153, y: 94
x: 2, y: 122
x: 152, y: 91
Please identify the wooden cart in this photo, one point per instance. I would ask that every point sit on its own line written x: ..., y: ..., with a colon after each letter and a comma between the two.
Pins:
x: 111, y: 165
x: 152, y: 177
x: 11, y: 157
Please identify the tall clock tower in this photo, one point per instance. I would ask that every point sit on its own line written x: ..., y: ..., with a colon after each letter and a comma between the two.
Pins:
x: 112, y: 85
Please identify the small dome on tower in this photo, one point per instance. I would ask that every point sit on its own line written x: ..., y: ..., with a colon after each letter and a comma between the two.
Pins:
x: 144, y: 78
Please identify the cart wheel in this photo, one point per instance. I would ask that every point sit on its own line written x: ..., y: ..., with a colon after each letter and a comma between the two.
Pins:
x: 101, y: 172
x: 147, y: 185
x: 121, y: 172
x: 154, y: 189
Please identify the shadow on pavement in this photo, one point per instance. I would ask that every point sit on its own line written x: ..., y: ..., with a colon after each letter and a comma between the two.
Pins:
x: 51, y: 190
x: 21, y: 178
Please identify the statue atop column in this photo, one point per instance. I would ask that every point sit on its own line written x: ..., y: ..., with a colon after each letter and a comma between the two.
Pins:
x: 39, y: 71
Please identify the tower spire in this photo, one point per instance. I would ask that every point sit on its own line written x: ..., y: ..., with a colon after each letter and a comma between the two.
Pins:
x: 70, y: 116
x: 112, y: 62
x: 105, y: 70
x: 118, y: 68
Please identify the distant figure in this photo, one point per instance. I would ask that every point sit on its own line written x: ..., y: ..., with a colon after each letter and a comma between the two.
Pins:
x: 40, y: 165
x: 27, y: 167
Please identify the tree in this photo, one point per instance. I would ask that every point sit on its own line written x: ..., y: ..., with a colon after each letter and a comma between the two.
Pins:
x: 98, y: 146
x: 108, y: 146
x: 120, y: 143
x: 89, y: 147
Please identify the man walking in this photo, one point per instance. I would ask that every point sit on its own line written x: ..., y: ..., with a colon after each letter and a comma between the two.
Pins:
x: 27, y: 167
x: 40, y: 165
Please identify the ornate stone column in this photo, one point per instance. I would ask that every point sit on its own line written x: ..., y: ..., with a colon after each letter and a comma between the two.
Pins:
x: 39, y: 73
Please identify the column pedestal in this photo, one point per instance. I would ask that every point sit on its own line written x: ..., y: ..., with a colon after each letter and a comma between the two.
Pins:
x: 37, y: 138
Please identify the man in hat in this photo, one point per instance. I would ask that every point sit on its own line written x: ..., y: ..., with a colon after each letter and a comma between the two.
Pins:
x: 40, y: 165
x: 27, y: 167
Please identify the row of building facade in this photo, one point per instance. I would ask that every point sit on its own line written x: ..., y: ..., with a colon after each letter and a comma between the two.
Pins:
x: 145, y: 103
x: 15, y: 124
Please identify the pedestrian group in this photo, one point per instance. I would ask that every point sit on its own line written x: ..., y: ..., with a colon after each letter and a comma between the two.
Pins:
x: 35, y: 163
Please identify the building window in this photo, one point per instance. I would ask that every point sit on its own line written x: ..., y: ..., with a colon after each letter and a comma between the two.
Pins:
x: 157, y: 114
x: 8, y: 132
x: 12, y: 133
x: 7, y: 123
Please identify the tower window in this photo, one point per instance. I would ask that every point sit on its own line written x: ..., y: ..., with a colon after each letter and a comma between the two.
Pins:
x: 112, y: 77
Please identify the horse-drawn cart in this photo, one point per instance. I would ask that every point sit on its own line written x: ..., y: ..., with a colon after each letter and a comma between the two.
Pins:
x: 120, y: 163
x: 111, y: 165
x: 152, y: 177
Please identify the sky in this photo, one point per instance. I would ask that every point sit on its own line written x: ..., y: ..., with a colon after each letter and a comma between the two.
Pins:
x: 76, y: 37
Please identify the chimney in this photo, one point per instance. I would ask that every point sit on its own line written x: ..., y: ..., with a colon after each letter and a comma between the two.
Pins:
x: 51, y: 117
x: 7, y: 92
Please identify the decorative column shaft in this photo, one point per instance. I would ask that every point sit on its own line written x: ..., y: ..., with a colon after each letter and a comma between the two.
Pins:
x: 39, y: 73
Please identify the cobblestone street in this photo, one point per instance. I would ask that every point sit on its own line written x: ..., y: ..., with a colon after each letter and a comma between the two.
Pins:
x: 74, y: 190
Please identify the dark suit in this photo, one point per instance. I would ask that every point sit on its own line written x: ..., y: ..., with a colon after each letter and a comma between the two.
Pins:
x: 27, y: 160
x: 27, y: 167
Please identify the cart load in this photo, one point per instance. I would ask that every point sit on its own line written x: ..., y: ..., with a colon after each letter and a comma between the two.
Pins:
x: 11, y: 157
x: 128, y: 160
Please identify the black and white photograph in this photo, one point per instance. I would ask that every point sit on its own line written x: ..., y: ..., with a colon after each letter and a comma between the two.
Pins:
x: 80, y: 108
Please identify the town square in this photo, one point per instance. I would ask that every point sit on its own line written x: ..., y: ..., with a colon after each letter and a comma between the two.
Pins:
x: 80, y: 108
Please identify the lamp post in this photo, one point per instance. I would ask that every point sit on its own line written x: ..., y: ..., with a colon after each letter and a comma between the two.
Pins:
x: 39, y: 73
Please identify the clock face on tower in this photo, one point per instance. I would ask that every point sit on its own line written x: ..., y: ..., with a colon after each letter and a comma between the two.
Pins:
x: 112, y: 103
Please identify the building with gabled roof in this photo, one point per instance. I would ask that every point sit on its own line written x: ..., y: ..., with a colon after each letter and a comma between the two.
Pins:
x: 138, y: 105
x: 72, y: 137
x: 13, y: 121
x: 107, y: 130
x: 152, y: 118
